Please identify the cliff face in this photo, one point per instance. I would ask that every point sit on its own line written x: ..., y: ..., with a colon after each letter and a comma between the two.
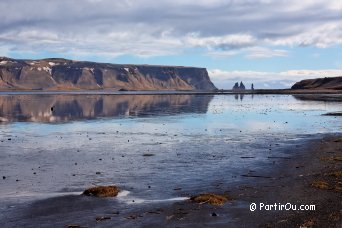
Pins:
x: 62, y: 74
x: 334, y: 83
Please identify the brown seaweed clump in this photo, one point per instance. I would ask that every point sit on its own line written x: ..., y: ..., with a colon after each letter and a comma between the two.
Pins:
x: 338, y: 187
x: 102, y: 191
x: 210, y: 198
x: 334, y: 158
x: 320, y: 184
x: 336, y: 173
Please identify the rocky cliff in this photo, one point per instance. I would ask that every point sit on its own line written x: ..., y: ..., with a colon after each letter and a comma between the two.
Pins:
x: 334, y: 83
x: 62, y: 74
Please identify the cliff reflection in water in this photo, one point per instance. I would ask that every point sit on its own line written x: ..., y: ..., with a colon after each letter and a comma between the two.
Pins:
x: 63, y: 108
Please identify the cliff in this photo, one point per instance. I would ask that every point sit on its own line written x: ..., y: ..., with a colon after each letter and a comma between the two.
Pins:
x: 334, y: 83
x: 63, y: 74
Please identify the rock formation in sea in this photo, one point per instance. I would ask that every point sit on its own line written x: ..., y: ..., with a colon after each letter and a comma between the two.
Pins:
x: 239, y: 87
x: 334, y: 83
x: 236, y: 86
x: 63, y: 74
x: 242, y: 86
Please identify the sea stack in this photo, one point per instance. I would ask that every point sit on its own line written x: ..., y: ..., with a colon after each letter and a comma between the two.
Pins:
x: 238, y: 87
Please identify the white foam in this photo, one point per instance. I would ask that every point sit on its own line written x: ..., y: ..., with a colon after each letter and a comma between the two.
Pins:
x: 123, y: 196
x: 123, y: 193
x: 37, y: 194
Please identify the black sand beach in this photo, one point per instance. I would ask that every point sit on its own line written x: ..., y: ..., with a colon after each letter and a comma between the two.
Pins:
x: 289, y: 179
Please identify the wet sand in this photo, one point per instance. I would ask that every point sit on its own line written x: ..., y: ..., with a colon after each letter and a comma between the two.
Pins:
x: 288, y: 180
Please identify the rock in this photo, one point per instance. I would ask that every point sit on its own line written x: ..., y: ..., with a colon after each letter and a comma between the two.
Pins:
x: 333, y: 114
x: 236, y: 86
x: 148, y: 155
x: 239, y: 87
x: 210, y: 198
x: 101, y: 218
x: 214, y: 214
x: 102, y: 191
x: 242, y: 86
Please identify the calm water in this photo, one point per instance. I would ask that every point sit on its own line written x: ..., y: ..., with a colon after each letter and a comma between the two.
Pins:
x: 61, y: 144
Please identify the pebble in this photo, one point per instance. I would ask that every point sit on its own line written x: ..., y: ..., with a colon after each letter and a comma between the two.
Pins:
x: 214, y: 214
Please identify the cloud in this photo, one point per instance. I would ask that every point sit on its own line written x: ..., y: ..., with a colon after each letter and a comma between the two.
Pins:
x: 147, y: 28
x: 227, y: 42
x: 261, y: 52
x: 226, y: 79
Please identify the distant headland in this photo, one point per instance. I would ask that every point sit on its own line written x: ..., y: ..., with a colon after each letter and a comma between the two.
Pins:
x: 57, y: 74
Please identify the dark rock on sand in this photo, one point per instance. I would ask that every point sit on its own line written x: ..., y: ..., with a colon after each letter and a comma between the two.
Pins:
x: 101, y: 218
x: 102, y: 191
x: 74, y: 226
x: 333, y: 114
x: 148, y: 155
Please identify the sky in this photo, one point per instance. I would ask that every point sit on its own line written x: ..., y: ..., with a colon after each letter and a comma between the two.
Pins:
x: 271, y: 43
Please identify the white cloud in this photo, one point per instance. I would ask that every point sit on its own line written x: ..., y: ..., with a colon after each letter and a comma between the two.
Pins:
x: 227, y: 42
x: 321, y: 36
x: 261, y: 52
x: 146, y: 27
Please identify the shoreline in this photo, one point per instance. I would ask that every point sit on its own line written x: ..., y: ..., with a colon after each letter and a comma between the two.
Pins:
x: 173, y: 92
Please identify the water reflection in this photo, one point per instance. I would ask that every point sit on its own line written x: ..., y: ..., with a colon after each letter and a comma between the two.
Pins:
x: 62, y: 108
x: 319, y: 97
x: 240, y: 95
